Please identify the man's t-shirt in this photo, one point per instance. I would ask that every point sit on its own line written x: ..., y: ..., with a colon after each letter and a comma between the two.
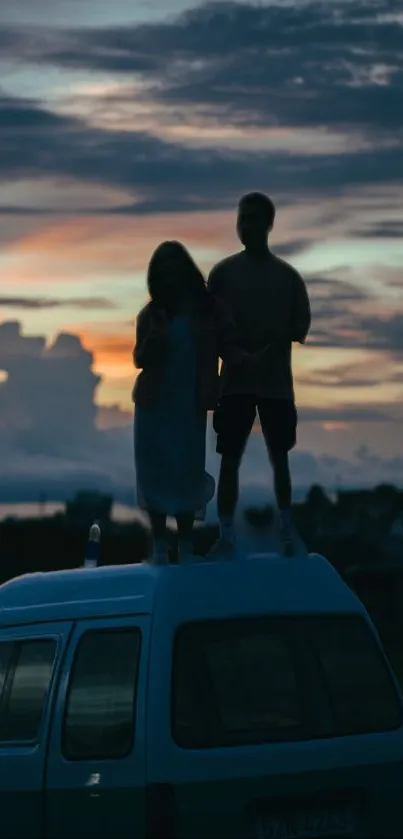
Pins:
x: 269, y: 303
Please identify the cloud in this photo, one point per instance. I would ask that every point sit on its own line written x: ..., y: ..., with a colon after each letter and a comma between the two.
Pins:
x: 47, y: 400
x: 323, y: 67
x: 112, y: 346
x: 112, y: 416
x: 332, y: 471
x: 66, y: 12
x: 49, y: 436
x: 357, y: 374
x: 332, y: 294
x: 384, y: 333
x: 346, y: 413
x: 382, y: 229
x: 336, y: 311
x: 294, y: 247
x: 152, y: 169
x: 368, y: 458
x: 328, y: 75
x: 353, y: 331
x: 91, y: 303
x: 338, y: 288
x: 349, y: 316
x: 54, y: 439
x: 335, y: 63
x: 165, y: 176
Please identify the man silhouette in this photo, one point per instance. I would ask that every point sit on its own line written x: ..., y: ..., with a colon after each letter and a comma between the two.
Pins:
x: 270, y: 305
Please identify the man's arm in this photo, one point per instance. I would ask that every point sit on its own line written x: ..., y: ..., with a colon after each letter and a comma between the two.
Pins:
x: 150, y: 339
x: 301, y: 311
x: 228, y: 349
x: 300, y: 324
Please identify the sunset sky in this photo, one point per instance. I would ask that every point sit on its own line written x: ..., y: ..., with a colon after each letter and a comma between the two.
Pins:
x: 124, y: 123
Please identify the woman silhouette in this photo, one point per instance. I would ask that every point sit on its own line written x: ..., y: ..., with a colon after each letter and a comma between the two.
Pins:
x: 181, y: 333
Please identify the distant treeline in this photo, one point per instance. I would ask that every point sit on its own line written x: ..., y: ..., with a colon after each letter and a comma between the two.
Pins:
x: 58, y: 543
x: 52, y: 544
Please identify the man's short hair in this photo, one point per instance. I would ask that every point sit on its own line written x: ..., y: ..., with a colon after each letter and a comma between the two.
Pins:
x: 265, y: 204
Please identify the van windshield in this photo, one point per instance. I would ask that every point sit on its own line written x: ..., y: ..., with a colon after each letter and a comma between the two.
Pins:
x: 256, y: 680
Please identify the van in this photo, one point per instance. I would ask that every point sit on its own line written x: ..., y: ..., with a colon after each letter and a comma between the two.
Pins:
x: 244, y: 698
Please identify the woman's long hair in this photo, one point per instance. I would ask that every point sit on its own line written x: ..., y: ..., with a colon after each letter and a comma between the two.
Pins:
x: 194, y: 282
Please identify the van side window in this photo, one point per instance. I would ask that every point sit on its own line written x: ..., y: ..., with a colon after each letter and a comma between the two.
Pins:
x: 100, y: 707
x: 26, y: 689
x: 239, y: 677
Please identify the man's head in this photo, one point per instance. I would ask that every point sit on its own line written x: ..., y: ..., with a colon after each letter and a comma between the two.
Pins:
x: 256, y: 213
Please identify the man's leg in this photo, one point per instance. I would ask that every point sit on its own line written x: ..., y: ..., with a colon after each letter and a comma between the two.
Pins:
x: 227, y: 494
x: 279, y: 423
x: 283, y: 494
x: 233, y: 421
x: 282, y: 479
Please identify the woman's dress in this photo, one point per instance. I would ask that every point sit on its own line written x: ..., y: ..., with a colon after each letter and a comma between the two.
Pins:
x: 170, y: 435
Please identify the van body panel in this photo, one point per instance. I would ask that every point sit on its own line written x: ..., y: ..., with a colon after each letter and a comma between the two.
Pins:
x: 22, y: 765
x: 36, y: 615
x: 236, y: 792
x: 78, y: 594
x: 274, y: 586
x: 102, y: 798
x: 305, y: 584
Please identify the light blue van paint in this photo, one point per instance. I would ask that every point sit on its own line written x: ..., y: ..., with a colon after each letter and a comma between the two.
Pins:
x: 126, y: 589
x: 44, y: 795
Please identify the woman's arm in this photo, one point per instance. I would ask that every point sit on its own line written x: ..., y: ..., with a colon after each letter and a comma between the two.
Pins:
x: 150, y: 338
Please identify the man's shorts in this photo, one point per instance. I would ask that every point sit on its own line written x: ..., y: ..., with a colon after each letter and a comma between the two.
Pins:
x: 235, y: 415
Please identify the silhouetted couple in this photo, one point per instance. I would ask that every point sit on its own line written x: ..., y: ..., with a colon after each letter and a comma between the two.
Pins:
x: 252, y: 308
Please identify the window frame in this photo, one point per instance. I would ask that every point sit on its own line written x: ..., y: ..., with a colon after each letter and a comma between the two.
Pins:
x: 102, y: 630
x: 17, y: 643
x: 9, y: 663
x: 296, y: 629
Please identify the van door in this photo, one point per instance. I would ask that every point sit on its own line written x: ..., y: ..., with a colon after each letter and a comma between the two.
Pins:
x: 96, y: 763
x: 29, y: 664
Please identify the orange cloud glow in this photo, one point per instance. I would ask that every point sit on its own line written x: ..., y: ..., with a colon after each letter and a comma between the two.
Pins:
x: 75, y: 249
x: 112, y: 347
x: 111, y: 343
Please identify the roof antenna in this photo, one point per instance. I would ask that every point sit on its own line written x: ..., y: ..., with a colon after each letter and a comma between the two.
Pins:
x: 92, y: 551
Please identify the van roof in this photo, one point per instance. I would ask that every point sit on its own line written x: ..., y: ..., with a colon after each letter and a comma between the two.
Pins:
x: 256, y: 584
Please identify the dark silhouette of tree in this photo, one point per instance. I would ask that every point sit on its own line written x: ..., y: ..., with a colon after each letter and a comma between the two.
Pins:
x: 318, y: 499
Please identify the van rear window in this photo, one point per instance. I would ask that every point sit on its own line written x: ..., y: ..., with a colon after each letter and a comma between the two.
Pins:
x: 361, y: 693
x: 256, y: 680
